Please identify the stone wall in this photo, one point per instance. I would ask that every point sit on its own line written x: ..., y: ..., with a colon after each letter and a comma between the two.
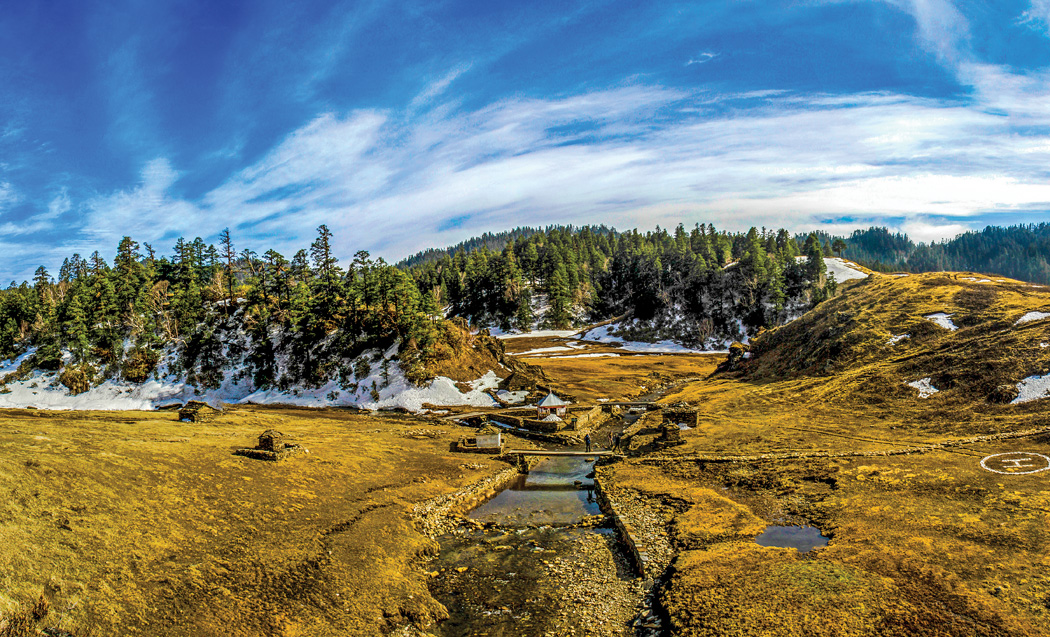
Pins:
x: 513, y: 421
x: 586, y: 419
x: 542, y: 425
x: 636, y: 549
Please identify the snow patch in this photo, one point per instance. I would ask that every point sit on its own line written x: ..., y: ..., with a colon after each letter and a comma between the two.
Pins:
x: 603, y: 335
x: 1032, y: 388
x: 544, y: 350
x: 512, y: 397
x: 1032, y: 316
x: 586, y: 355
x: 942, y: 319
x: 43, y: 391
x: 897, y: 338
x: 925, y: 387
x: 537, y: 333
x: 841, y: 268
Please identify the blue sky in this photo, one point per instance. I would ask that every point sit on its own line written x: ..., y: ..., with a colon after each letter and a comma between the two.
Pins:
x: 404, y: 125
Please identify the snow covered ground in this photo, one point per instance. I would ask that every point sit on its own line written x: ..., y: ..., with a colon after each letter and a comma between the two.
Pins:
x: 42, y: 390
x: 925, y: 387
x: 942, y: 319
x: 596, y: 355
x: 544, y: 350
x: 841, y: 268
x: 1032, y: 316
x: 568, y: 347
x: 1032, y: 388
x: 603, y: 335
x: 897, y: 338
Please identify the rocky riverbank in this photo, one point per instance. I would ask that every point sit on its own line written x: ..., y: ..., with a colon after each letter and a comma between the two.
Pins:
x: 535, y: 582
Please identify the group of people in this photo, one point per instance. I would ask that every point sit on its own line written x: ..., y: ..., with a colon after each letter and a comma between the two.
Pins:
x: 614, y: 441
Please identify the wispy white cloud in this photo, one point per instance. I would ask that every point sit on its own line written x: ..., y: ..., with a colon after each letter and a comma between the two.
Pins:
x: 395, y: 185
x: 943, y: 29
x: 437, y: 87
x: 1037, y: 15
x: 8, y: 195
x: 705, y: 56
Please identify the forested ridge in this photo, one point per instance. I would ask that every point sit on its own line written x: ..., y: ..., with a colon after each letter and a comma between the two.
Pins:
x: 211, y: 304
x: 206, y: 304
x: 595, y: 273
x: 694, y: 286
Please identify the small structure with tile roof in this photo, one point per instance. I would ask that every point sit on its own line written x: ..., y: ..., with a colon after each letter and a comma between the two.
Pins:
x: 551, y: 405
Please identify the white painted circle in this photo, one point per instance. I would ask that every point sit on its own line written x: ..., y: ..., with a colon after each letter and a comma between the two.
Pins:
x: 1028, y: 455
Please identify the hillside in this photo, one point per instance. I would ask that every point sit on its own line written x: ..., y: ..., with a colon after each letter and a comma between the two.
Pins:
x: 872, y: 418
x: 967, y: 339
x: 879, y: 365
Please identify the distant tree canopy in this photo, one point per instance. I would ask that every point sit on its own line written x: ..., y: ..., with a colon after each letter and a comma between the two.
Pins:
x: 119, y: 317
x: 591, y: 274
x: 205, y: 301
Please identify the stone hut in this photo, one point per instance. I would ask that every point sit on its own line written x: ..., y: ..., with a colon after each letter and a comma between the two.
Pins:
x: 271, y: 440
x: 682, y: 414
x: 197, y: 411
x: 271, y: 447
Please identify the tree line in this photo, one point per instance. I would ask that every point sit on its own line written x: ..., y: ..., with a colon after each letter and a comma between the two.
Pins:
x: 210, y: 303
x: 709, y: 283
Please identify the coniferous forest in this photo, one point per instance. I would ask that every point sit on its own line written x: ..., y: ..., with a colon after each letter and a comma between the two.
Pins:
x: 204, y: 303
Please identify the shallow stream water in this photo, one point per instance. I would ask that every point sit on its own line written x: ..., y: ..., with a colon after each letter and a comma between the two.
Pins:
x: 556, y: 492
x: 531, y: 575
x: 803, y: 538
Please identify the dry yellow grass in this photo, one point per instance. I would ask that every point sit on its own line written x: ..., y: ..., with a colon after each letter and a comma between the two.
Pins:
x: 922, y: 544
x: 144, y: 525
x: 626, y: 376
x: 833, y: 377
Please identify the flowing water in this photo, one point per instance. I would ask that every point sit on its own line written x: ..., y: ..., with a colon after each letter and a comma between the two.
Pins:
x: 556, y: 492
x: 528, y: 573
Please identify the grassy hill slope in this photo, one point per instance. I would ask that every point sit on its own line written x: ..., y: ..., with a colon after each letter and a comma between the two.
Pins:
x: 866, y: 345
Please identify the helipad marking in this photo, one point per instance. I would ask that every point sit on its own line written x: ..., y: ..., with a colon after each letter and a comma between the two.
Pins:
x: 1014, y: 466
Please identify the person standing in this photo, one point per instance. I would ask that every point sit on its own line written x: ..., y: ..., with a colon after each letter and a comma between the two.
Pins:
x: 587, y: 441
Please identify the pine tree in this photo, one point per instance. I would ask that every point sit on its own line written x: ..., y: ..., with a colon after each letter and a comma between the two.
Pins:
x: 229, y: 257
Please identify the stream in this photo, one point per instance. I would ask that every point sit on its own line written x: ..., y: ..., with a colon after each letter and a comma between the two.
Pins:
x: 529, y: 571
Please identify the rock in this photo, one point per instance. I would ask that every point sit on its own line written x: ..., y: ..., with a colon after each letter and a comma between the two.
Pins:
x: 1003, y: 394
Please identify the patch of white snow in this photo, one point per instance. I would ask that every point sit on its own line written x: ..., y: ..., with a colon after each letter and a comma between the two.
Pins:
x: 536, y: 333
x: 1032, y: 316
x: 942, y: 319
x: 544, y: 350
x: 925, y: 387
x: 1032, y: 388
x: 604, y: 354
x: 602, y: 335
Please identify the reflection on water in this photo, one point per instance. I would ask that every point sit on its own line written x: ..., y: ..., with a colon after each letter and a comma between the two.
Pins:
x: 803, y: 538
x: 556, y: 491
